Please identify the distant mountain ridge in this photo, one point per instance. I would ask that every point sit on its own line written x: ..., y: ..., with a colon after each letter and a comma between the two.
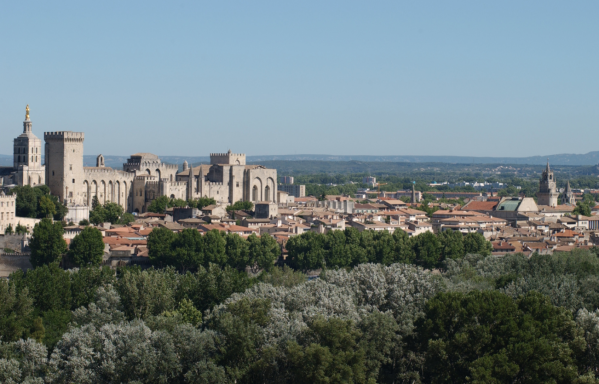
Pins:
x: 591, y: 158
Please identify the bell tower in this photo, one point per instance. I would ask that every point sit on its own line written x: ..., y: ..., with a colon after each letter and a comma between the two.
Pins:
x: 547, y: 194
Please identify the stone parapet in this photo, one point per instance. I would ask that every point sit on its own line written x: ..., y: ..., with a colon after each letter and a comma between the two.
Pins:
x: 64, y: 136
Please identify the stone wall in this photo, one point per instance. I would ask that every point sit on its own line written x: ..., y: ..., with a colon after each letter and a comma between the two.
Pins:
x: 10, y: 263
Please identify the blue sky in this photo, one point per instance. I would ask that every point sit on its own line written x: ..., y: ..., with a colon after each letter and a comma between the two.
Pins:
x: 507, y: 78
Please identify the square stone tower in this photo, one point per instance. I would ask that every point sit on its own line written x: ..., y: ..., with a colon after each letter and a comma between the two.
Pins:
x: 64, y: 166
x: 547, y: 194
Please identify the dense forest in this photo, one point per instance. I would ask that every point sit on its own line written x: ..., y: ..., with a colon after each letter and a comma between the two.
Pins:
x: 483, y: 319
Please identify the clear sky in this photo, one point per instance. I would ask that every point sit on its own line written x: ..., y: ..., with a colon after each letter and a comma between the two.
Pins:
x: 479, y: 78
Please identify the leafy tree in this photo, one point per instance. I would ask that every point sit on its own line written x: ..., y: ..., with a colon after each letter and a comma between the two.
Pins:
x: 97, y: 215
x: 237, y: 251
x: 9, y: 230
x: 487, y: 337
x: 263, y: 252
x: 48, y: 285
x: 21, y: 229
x: 127, y: 218
x: 240, y: 205
x: 159, y: 246
x: 146, y: 293
x: 306, y: 251
x: 61, y: 209
x: 214, y: 248
x: 87, y: 248
x: 201, y: 202
x: 26, y: 202
x: 95, y: 202
x: 283, y: 277
x: 329, y: 352
x: 86, y: 282
x: 38, y: 331
x: 211, y: 286
x: 427, y: 248
x: 47, y: 244
x: 452, y: 244
x: 582, y: 209
x: 46, y: 207
x: 159, y: 204
x: 15, y: 311
x: 334, y: 248
x: 403, y: 247
x: 189, y: 313
x: 84, y: 222
x: 112, y: 212
x: 475, y: 243
x: 187, y: 249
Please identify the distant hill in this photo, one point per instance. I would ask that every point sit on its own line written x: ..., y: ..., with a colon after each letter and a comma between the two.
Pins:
x: 591, y: 158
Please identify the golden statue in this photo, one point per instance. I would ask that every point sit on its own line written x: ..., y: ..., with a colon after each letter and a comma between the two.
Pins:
x: 27, y: 112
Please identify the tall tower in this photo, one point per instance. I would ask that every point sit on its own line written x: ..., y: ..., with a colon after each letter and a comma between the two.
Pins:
x: 64, y: 166
x: 547, y: 194
x: 27, y: 155
x: 568, y: 196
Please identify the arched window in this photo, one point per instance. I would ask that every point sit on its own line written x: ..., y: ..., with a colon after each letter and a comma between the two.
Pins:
x: 18, y: 150
x: 255, y: 193
x: 267, y: 193
x: 18, y: 159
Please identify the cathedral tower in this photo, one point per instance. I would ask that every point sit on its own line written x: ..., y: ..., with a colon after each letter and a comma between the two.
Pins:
x: 27, y: 156
x: 547, y: 194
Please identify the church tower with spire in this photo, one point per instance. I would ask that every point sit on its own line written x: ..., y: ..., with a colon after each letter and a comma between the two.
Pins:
x: 27, y: 156
x: 568, y: 196
x: 547, y: 194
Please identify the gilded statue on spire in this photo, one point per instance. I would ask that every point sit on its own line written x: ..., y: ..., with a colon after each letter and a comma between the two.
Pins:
x: 27, y: 112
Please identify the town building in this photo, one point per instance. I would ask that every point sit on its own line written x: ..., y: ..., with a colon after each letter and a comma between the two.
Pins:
x: 228, y: 179
x: 294, y: 190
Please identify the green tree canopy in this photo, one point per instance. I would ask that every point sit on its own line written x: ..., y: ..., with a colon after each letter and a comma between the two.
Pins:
x: 47, y: 244
x: 240, y: 205
x: 87, y: 248
x: 485, y: 336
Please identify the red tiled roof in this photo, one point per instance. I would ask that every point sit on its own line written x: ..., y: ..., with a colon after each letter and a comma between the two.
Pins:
x: 480, y: 206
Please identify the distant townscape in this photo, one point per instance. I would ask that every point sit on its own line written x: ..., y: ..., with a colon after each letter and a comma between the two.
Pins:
x: 227, y: 272
x: 252, y: 199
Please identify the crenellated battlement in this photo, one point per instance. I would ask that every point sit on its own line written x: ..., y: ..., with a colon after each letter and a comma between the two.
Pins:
x: 228, y: 158
x: 226, y: 154
x: 175, y: 183
x: 144, y: 177
x: 64, y: 136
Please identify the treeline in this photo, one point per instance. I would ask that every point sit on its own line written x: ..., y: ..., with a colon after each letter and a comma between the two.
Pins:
x: 49, y: 294
x: 509, y: 319
x: 348, y: 248
x: 188, y: 250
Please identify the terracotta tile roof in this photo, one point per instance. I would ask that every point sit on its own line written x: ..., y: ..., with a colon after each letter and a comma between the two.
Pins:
x: 480, y: 206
